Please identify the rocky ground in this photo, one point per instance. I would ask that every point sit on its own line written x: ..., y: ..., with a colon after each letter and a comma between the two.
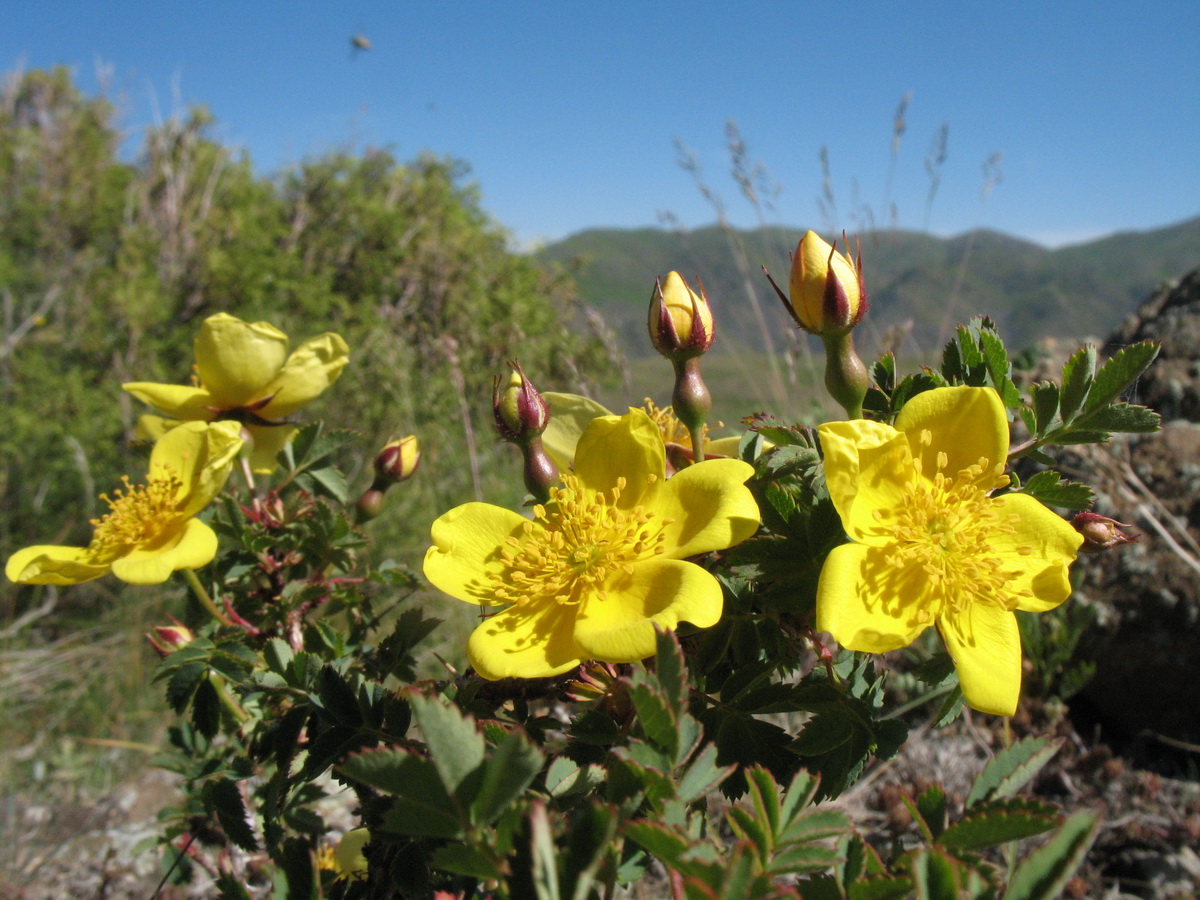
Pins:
x: 1131, y: 740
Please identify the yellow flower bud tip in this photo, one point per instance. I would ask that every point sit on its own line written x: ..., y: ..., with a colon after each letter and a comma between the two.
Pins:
x: 519, y: 410
x: 398, y: 460
x: 827, y: 293
x: 680, y: 321
x: 1101, y: 533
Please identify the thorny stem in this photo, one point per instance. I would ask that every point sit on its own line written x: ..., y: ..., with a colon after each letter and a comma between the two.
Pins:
x: 202, y: 596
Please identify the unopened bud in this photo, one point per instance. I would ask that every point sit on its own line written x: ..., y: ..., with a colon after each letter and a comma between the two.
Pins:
x: 827, y: 294
x: 170, y: 638
x: 398, y: 460
x: 1101, y: 533
x: 520, y: 412
x: 681, y: 322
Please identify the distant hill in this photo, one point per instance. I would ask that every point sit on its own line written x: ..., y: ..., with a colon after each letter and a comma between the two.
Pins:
x: 1034, y: 293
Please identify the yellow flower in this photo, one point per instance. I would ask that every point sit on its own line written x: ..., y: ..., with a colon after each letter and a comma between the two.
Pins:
x: 570, y: 414
x: 149, y: 530
x: 602, y: 562
x: 930, y: 546
x: 246, y: 375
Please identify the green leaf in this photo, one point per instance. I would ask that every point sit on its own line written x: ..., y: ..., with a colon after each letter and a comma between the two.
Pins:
x: 934, y: 875
x: 422, y: 806
x: 1119, y: 372
x: 659, y: 841
x: 931, y: 804
x: 1077, y: 376
x: 802, y: 859
x: 1125, y: 418
x: 884, y: 887
x: 455, y: 745
x: 997, y: 822
x: 1045, y: 872
x: 1048, y: 487
x: 701, y: 776
x: 463, y: 859
x: 300, y: 870
x: 669, y: 669
x: 222, y: 797
x: 508, y: 773
x: 1011, y: 769
x: 1045, y: 405
x: 655, y: 718
x: 337, y: 697
x: 206, y: 709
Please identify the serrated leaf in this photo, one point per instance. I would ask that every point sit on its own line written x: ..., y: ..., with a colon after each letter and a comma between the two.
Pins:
x: 701, y: 776
x: 182, y: 684
x: 746, y: 827
x: 1125, y: 418
x: 1044, y: 873
x: 1045, y: 405
x: 654, y: 717
x: 1119, y: 372
x: 803, y: 859
x: 278, y: 654
x: 995, y: 356
x: 455, y: 745
x: 337, y: 698
x: 934, y: 875
x: 822, y: 733
x: 511, y: 769
x: 222, y: 797
x: 1077, y: 375
x: 814, y: 825
x: 883, y: 373
x: 206, y: 709
x: 325, y: 481
x: 997, y: 822
x: 883, y: 887
x: 300, y: 870
x: 1011, y: 769
x: 669, y: 668
x: 421, y: 806
x: 931, y: 804
x: 765, y: 796
x: 659, y: 841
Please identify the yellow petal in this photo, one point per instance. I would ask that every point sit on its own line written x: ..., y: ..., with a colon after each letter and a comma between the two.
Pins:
x: 1039, y: 553
x: 466, y: 550
x: 570, y: 414
x: 200, y: 455
x: 193, y: 546
x: 237, y: 360
x: 628, y: 446
x: 865, y: 601
x: 313, y: 367
x: 867, y: 468
x: 53, y: 564
x: 711, y: 507
x: 179, y: 401
x: 985, y: 644
x: 265, y: 443
x: 620, y: 626
x: 523, y: 643
x: 966, y: 423
x: 151, y: 428
x: 726, y: 446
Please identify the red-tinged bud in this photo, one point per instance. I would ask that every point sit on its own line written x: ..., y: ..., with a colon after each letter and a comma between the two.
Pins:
x: 827, y: 293
x: 520, y: 412
x: 398, y: 460
x: 681, y: 322
x: 1101, y: 533
x: 170, y: 638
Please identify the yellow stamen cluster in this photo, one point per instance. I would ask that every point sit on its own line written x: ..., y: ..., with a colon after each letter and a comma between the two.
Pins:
x: 944, y: 531
x: 138, y: 514
x: 673, y: 431
x: 575, y: 544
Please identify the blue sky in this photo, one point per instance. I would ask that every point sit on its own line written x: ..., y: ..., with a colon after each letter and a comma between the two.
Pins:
x: 567, y: 112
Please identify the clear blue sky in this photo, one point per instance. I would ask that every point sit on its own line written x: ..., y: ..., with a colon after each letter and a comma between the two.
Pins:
x: 567, y: 112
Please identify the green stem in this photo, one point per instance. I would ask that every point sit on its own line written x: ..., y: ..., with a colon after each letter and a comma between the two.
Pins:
x: 231, y: 706
x: 201, y: 595
x: 918, y: 701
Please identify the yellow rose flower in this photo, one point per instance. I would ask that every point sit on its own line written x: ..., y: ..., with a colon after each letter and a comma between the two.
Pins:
x: 570, y: 414
x: 931, y: 546
x: 150, y: 530
x: 602, y: 562
x: 246, y: 375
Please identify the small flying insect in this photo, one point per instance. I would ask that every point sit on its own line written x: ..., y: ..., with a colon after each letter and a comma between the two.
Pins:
x: 358, y: 43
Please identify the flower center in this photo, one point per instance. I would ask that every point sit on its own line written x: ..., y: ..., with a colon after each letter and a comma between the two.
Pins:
x: 673, y: 431
x: 574, y: 545
x: 945, y: 532
x: 138, y: 514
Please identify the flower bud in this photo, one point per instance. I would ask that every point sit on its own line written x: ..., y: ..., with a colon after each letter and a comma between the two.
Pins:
x: 1101, y: 533
x: 827, y: 294
x: 170, y: 638
x: 398, y: 460
x: 520, y: 412
x: 681, y: 322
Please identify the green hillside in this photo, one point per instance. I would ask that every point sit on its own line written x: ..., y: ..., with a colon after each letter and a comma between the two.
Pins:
x: 1034, y: 293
